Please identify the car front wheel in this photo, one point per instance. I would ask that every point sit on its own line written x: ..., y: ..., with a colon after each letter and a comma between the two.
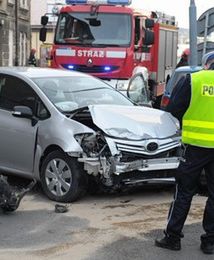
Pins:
x: 62, y: 177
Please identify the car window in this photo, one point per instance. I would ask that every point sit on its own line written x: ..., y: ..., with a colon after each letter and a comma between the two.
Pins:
x: 16, y: 92
x: 180, y: 76
x: 175, y: 78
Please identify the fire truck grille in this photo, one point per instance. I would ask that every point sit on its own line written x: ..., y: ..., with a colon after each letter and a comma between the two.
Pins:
x: 92, y: 69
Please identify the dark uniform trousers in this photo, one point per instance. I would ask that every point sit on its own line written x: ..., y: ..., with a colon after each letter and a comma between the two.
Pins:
x: 187, y: 179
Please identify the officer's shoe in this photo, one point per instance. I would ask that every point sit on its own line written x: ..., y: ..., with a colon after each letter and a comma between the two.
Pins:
x: 169, y: 242
x: 207, y: 248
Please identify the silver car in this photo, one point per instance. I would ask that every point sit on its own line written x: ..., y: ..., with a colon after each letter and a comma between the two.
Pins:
x: 66, y: 128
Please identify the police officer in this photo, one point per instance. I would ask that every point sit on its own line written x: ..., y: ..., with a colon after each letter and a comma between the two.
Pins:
x: 197, y: 111
x: 32, y: 58
x: 184, y: 60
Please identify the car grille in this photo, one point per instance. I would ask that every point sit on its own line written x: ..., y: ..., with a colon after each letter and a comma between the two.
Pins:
x: 141, y: 150
x: 129, y: 157
x: 88, y: 69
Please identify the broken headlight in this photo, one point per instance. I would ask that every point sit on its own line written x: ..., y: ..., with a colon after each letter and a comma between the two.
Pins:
x: 92, y: 144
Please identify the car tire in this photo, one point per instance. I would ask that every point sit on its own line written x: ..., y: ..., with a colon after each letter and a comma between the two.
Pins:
x: 8, y: 208
x: 62, y: 177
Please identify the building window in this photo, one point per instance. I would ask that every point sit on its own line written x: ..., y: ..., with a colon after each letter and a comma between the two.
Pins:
x: 24, y: 4
x: 11, y: 2
x: 23, y: 49
x: 10, y: 60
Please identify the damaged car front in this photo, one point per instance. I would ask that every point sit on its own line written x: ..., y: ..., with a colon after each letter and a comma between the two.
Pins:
x: 122, y: 144
x: 131, y: 144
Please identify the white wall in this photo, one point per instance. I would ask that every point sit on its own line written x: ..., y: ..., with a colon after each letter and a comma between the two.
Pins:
x: 38, y: 8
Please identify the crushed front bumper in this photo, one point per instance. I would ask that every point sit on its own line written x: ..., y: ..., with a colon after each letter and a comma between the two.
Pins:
x: 94, y: 165
x: 147, y: 165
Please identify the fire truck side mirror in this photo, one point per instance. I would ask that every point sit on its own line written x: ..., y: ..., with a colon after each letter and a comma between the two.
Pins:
x: 44, y: 20
x: 94, y: 22
x: 42, y: 34
x: 149, y: 23
x: 149, y: 37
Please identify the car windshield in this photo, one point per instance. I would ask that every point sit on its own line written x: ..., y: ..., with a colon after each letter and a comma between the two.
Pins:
x: 84, y: 29
x: 71, y: 93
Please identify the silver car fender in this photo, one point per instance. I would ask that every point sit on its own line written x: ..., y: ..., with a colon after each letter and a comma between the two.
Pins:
x: 58, y: 131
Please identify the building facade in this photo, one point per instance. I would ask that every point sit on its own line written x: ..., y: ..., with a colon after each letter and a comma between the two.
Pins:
x: 38, y: 9
x: 15, y: 32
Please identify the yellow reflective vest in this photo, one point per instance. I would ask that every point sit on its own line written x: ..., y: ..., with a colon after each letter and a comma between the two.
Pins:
x: 198, y: 121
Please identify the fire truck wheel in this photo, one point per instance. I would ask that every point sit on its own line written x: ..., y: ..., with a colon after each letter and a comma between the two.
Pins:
x: 62, y: 177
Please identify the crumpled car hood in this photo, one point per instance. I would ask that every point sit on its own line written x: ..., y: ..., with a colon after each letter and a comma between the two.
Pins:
x: 133, y: 122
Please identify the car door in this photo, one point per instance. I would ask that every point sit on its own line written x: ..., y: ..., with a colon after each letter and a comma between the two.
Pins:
x: 17, y: 135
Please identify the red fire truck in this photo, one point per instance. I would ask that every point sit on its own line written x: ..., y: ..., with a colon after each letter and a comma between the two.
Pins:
x: 112, y: 41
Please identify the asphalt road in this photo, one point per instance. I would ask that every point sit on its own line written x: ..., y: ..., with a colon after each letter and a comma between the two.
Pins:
x: 103, y: 227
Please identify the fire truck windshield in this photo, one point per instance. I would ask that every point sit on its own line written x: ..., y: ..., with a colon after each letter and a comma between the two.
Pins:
x: 104, y: 29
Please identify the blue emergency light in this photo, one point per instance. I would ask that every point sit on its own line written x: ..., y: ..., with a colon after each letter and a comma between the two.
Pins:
x: 70, y: 67
x: 71, y: 2
x: 119, y: 2
x: 107, y: 68
x: 99, y: 2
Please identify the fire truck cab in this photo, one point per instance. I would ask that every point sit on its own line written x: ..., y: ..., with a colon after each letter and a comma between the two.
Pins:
x: 113, y: 41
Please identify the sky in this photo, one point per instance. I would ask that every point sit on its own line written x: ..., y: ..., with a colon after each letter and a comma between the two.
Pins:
x: 177, y: 8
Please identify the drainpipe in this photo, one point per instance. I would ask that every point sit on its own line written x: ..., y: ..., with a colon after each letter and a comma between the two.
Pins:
x: 17, y: 34
x: 193, y: 34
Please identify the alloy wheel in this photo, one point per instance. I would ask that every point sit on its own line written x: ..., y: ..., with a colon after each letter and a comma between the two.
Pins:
x: 58, y: 177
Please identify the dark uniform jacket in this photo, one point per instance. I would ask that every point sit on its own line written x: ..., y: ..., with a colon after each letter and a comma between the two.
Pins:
x: 180, y: 98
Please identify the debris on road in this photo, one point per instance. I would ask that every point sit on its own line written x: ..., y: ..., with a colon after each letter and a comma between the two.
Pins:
x: 11, y: 196
x: 61, y: 208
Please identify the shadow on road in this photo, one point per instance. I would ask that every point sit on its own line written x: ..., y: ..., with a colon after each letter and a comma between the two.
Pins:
x: 35, y: 228
x: 142, y: 248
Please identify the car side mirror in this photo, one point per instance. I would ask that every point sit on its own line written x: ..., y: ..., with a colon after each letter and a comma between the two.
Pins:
x: 23, y: 112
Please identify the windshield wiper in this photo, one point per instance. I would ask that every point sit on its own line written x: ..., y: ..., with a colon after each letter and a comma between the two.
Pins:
x: 105, y: 45
x: 88, y: 89
x: 69, y: 43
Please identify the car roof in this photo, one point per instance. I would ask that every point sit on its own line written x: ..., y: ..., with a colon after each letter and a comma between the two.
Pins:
x: 32, y: 72
x: 188, y: 69
x: 183, y: 70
